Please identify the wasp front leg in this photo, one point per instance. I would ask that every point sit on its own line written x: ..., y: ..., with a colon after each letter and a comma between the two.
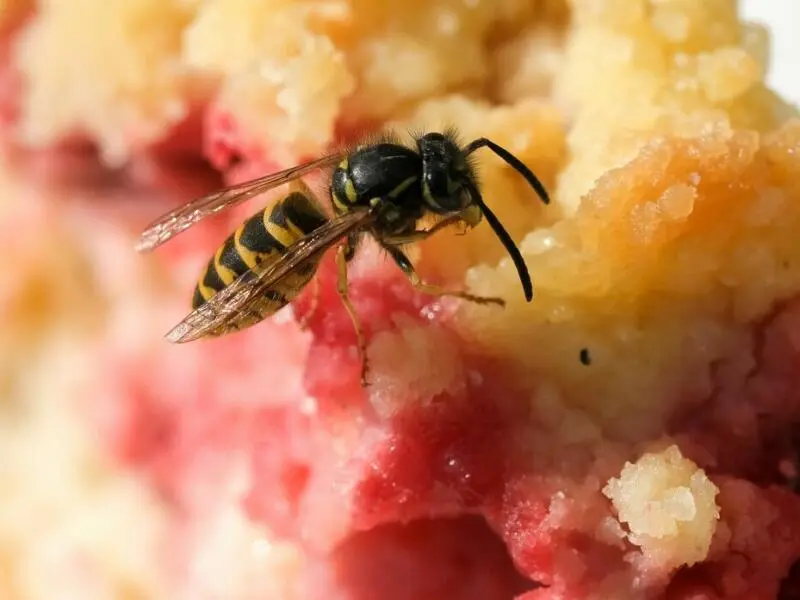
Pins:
x: 405, y: 265
x: 343, y: 256
x: 422, y: 234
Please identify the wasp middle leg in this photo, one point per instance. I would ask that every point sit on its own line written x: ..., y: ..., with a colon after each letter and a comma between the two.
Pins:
x: 344, y: 255
x: 405, y: 265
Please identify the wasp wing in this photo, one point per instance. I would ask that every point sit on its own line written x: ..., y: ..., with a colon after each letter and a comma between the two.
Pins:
x: 184, y: 217
x: 248, y: 288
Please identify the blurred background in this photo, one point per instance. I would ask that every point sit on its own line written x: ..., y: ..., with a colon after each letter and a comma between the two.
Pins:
x: 783, y: 19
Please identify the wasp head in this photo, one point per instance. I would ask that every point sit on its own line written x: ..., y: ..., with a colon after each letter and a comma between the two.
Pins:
x: 445, y: 173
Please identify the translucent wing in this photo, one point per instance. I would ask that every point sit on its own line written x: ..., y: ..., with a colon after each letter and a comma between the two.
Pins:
x: 183, y: 217
x: 240, y: 296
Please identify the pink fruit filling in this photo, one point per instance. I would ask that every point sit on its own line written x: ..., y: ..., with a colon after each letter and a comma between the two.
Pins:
x: 453, y: 493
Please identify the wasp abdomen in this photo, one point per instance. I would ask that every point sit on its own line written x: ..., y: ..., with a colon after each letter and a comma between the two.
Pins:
x: 259, y: 241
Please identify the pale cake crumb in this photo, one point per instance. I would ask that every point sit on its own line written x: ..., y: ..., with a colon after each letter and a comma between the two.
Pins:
x: 668, y: 505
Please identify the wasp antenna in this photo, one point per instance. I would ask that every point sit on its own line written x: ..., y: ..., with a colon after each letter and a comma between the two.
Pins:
x: 508, y: 243
x: 513, y: 162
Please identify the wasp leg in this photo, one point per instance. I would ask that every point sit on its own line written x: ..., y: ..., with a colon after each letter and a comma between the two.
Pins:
x: 405, y: 265
x: 313, y: 305
x: 343, y: 256
x: 350, y: 247
x: 418, y: 236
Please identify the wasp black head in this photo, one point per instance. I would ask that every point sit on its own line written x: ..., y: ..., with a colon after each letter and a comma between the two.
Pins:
x: 445, y: 173
x: 449, y: 185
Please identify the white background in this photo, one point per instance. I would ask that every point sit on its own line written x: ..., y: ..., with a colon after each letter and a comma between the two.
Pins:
x: 783, y: 19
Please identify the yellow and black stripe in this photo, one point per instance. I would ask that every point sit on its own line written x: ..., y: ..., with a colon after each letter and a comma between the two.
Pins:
x: 343, y: 192
x: 260, y: 240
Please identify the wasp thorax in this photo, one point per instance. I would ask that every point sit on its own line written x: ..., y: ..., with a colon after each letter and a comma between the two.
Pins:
x: 443, y: 173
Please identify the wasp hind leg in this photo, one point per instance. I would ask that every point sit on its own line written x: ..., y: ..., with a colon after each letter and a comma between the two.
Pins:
x: 343, y: 256
x: 427, y: 288
x: 313, y: 304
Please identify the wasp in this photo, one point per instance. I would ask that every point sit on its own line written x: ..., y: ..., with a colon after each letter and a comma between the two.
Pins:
x: 383, y: 189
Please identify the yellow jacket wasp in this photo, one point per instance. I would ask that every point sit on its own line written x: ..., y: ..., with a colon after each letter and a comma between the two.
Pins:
x: 382, y: 189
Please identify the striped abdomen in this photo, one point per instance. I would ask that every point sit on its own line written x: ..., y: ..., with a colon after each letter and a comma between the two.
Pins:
x: 260, y: 240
